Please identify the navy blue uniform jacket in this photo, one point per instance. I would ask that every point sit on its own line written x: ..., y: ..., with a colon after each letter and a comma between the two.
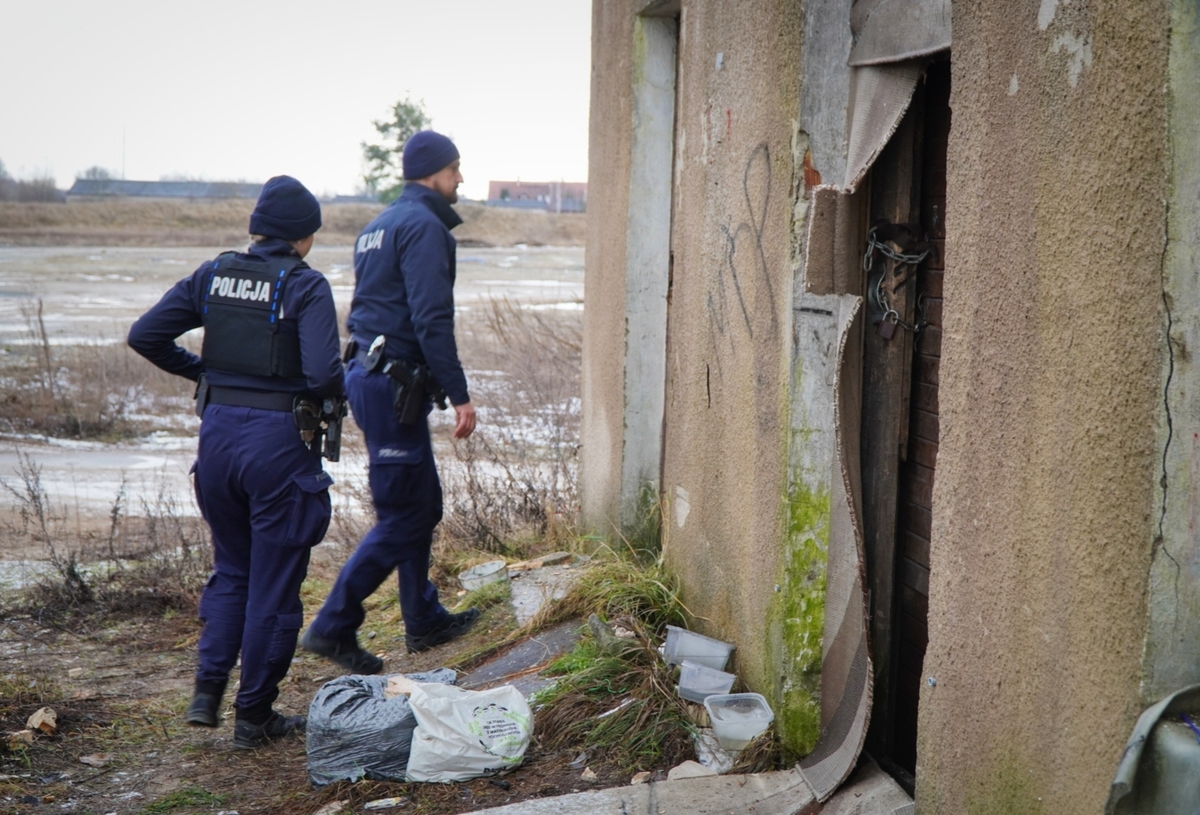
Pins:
x: 404, y: 285
x: 307, y: 299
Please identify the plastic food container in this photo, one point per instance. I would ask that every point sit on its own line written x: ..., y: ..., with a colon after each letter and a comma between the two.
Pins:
x: 738, y: 717
x: 683, y: 644
x: 698, y: 682
x: 476, y: 577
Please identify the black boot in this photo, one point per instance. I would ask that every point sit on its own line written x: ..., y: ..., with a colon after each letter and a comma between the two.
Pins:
x: 247, y: 736
x: 347, y: 654
x: 206, y: 704
x: 454, y: 626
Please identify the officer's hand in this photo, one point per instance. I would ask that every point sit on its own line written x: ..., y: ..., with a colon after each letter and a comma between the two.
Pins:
x: 464, y: 424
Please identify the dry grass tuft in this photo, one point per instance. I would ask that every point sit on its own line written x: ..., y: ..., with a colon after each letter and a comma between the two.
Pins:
x: 155, y: 563
x: 764, y: 754
x: 92, y: 390
x: 516, y: 477
x: 617, y: 698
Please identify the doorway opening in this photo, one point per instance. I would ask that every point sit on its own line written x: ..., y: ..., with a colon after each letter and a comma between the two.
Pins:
x: 901, y: 353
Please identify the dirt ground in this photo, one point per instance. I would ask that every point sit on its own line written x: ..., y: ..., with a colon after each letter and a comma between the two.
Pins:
x: 119, y: 688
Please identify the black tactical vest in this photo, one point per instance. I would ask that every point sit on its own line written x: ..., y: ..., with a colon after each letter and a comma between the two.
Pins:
x: 245, y: 330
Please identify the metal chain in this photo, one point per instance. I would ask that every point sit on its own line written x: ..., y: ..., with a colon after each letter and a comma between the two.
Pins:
x: 878, y: 295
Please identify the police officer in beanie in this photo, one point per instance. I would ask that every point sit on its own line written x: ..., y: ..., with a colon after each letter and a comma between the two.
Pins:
x: 403, y: 351
x: 270, y: 346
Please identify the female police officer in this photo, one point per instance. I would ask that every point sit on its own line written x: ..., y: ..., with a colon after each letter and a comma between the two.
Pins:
x: 270, y: 337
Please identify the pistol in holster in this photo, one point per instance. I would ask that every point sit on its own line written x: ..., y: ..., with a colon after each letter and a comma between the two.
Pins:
x: 320, y: 424
x: 333, y: 410
x: 412, y: 383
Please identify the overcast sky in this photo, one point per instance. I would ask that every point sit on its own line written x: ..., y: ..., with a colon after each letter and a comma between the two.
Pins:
x: 246, y: 90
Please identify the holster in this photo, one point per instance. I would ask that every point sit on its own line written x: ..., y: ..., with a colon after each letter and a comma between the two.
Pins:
x: 409, y: 387
x: 412, y: 383
x: 306, y: 412
x: 332, y: 412
x: 201, y: 395
x: 320, y: 424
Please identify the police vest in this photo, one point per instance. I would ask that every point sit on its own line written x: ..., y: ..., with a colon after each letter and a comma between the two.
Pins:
x: 245, y: 330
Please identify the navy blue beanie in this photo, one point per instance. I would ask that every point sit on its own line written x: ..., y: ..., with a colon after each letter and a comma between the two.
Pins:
x: 285, y: 209
x: 426, y: 153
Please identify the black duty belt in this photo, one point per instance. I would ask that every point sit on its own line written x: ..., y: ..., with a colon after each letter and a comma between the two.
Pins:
x: 237, y: 397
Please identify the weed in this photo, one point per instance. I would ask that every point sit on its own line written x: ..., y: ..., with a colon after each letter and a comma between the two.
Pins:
x: 516, y: 476
x: 644, y: 537
x: 24, y: 690
x: 617, y: 588
x: 87, y: 390
x: 183, y: 798
x: 622, y: 704
x: 484, y: 597
x: 156, y: 563
x: 765, y: 753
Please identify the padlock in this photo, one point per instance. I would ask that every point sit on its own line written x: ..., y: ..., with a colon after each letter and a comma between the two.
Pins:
x: 887, y: 326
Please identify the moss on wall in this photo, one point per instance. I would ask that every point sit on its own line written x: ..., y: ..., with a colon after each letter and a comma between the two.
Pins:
x: 801, y: 606
x: 1007, y: 789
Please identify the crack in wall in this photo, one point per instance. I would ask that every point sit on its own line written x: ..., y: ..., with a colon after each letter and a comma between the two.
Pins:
x: 1160, y: 542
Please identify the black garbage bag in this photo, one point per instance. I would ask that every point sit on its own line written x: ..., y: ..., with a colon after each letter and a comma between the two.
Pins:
x: 355, y: 731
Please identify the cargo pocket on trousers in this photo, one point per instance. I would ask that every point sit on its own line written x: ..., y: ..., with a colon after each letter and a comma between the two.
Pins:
x: 311, y: 509
x: 287, y: 631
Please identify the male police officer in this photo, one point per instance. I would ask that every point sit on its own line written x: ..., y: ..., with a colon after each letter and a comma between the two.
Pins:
x: 402, y: 333
x: 269, y: 358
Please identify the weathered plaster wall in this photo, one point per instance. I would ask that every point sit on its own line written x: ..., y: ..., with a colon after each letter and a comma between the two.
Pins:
x: 1044, y: 506
x: 647, y: 268
x: 729, y: 323
x: 609, y: 157
x: 1172, y: 658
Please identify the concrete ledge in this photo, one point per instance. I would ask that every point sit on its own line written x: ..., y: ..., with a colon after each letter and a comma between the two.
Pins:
x: 779, y: 793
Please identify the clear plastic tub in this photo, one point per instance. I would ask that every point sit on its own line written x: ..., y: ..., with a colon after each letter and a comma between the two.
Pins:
x: 738, y: 717
x: 476, y: 577
x: 698, y: 682
x: 683, y: 644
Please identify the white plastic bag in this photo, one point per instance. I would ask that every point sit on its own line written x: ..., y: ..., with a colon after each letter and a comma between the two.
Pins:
x: 464, y: 734
x: 358, y: 728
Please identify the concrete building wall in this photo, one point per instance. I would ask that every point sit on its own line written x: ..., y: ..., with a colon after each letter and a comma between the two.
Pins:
x: 603, y: 374
x: 729, y: 322
x: 1045, y: 510
x: 1172, y: 658
x: 1065, y: 570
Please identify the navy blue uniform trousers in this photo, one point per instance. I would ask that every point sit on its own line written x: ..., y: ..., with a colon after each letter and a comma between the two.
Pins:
x: 408, y: 505
x: 266, y: 500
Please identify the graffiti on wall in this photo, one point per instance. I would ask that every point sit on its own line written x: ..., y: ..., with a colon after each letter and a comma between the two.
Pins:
x: 741, y: 302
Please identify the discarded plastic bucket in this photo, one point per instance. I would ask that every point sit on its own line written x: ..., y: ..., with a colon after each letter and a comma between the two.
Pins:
x: 476, y: 577
x: 683, y: 644
x: 738, y: 717
x: 698, y: 682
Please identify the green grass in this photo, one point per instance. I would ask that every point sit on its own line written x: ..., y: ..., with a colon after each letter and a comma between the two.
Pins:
x: 616, y: 588
x: 622, y: 706
x: 484, y: 597
x: 183, y: 798
x: 617, y: 697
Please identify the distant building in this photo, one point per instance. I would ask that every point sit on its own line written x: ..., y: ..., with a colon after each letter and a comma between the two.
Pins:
x: 552, y: 196
x: 91, y: 188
